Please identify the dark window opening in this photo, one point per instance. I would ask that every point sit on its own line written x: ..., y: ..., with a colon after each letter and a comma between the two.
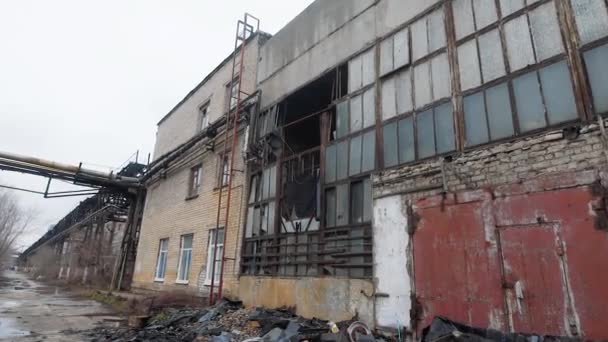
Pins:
x: 316, y: 96
x: 303, y: 136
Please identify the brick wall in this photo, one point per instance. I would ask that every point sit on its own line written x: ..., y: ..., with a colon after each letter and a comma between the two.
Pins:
x: 551, y: 152
x: 170, y: 214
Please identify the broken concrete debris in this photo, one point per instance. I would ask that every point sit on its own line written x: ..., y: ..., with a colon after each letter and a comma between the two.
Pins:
x: 229, y: 321
x: 445, y: 330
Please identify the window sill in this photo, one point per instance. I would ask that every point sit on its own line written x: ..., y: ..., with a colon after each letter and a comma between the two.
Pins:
x: 182, y: 282
x: 159, y: 280
x: 190, y: 198
x: 217, y: 188
x: 208, y: 283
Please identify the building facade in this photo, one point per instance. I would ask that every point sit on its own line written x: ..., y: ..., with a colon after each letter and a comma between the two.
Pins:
x: 190, y: 171
x: 432, y: 157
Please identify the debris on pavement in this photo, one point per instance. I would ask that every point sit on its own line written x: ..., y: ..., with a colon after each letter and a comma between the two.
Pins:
x: 229, y: 321
x: 445, y: 330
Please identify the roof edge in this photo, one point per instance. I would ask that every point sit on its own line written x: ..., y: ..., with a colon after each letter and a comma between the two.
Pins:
x: 264, y: 37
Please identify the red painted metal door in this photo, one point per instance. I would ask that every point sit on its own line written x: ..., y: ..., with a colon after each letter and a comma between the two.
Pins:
x: 534, y: 279
x: 457, y: 268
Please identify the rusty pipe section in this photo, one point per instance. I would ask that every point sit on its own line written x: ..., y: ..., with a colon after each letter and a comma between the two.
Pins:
x: 67, y: 168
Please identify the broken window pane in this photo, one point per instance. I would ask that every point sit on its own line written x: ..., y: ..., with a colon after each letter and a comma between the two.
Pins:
x: 356, y: 203
x: 264, y: 220
x: 369, y: 151
x: 342, y: 157
x: 557, y: 91
x: 530, y: 108
x: 591, y: 19
x: 595, y: 60
x: 367, y: 200
x: 490, y: 50
x: 355, y: 156
x: 444, y: 125
x: 485, y: 13
x: 256, y: 221
x: 500, y: 115
x: 404, y: 91
x: 386, y: 56
x: 436, y: 27
x: 369, y: 67
x: 519, y: 44
x: 356, y: 114
x: 423, y: 85
x: 369, y: 107
x: 354, y: 74
x: 510, y: 6
x: 253, y: 185
x: 476, y: 125
x: 406, y: 140
x: 545, y: 31
x: 273, y: 181
x: 401, y: 49
x: 342, y: 121
x: 342, y: 204
x: 265, y: 183
x: 249, y: 225
x: 425, y: 134
x: 468, y: 63
x: 330, y: 207
x: 330, y: 164
x: 420, y: 45
x: 388, y: 99
x: 270, y: 215
x: 463, y: 17
x: 440, y: 71
x: 390, y: 145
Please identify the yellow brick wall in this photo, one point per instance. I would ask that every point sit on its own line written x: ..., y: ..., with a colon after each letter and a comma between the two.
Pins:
x: 169, y: 214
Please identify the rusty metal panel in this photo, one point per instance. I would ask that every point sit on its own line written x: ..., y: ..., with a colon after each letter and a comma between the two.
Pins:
x: 456, y: 265
x: 534, y: 286
x: 585, y: 245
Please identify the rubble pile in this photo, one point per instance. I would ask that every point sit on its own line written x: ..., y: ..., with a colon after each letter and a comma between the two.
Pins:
x: 229, y: 321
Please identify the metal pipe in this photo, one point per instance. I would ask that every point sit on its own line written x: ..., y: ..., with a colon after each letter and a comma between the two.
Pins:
x: 65, y: 167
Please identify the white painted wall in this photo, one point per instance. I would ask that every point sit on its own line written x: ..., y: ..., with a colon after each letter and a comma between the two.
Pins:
x: 391, y: 249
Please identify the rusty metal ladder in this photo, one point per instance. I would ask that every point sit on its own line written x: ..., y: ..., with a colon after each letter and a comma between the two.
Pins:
x: 246, y: 28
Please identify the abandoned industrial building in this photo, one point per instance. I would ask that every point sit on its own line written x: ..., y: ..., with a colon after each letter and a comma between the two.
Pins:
x: 181, y: 220
x: 395, y: 161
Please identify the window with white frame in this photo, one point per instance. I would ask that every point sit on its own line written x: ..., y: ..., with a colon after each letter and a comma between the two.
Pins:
x: 185, y: 258
x: 214, y: 255
x: 224, y: 170
x: 204, y: 117
x: 195, y: 180
x: 161, y: 262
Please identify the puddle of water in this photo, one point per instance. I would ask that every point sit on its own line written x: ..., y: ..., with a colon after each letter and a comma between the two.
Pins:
x: 9, y: 329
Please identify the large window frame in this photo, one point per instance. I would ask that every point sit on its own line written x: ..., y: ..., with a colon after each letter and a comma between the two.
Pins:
x: 185, y: 259
x: 218, y: 255
x: 195, y: 181
x: 161, y: 260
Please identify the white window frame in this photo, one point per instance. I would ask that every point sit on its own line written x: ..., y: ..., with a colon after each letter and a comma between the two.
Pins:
x: 164, y: 251
x: 195, y: 180
x: 183, y: 250
x: 204, y: 117
x: 218, y: 256
x: 225, y: 170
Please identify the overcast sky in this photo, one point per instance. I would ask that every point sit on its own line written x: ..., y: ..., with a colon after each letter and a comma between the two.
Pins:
x: 87, y: 81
